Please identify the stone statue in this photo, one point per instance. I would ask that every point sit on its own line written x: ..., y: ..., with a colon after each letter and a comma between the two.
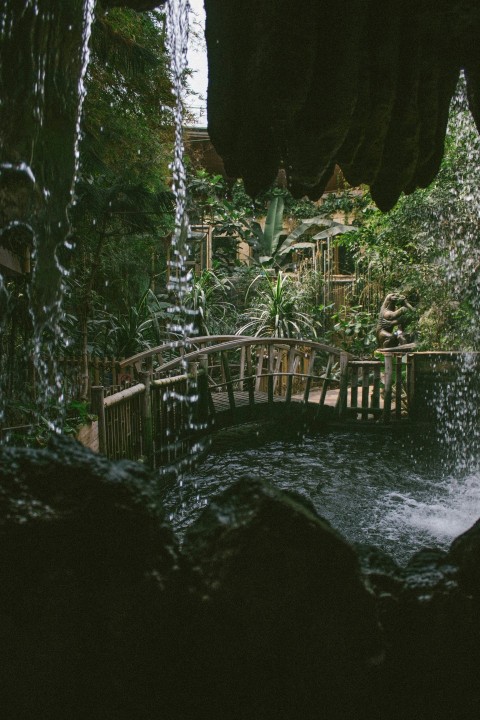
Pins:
x: 392, y: 320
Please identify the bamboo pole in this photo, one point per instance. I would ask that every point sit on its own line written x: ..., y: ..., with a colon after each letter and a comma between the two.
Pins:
x: 354, y: 389
x: 365, y: 391
x: 310, y: 369
x: 146, y: 414
x: 98, y: 407
x: 398, y: 386
x: 342, y: 396
x: 387, y: 401
x: 376, y: 387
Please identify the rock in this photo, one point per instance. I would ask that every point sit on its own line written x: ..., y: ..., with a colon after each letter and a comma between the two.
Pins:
x: 287, y: 628
x: 366, y: 85
x: 465, y: 552
x: 266, y: 612
x: 433, y: 657
x: 384, y: 578
x: 89, y: 596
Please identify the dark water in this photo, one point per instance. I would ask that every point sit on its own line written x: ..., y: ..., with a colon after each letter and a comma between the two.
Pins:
x: 395, y: 491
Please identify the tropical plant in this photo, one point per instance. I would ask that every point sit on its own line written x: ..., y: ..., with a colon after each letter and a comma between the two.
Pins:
x: 354, y: 329
x: 141, y: 327
x: 274, y: 311
x: 305, y: 235
x: 268, y: 240
x: 214, y: 314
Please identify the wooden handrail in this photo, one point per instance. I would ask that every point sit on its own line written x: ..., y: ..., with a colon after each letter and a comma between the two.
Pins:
x: 233, y: 341
x: 123, y: 395
x: 174, y: 344
x: 249, y: 341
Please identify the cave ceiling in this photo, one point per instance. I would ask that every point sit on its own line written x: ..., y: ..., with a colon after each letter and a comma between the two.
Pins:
x: 364, y: 84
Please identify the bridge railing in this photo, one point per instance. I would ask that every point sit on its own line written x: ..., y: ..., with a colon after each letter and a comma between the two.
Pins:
x: 147, y: 422
x: 277, y: 366
x: 184, y: 388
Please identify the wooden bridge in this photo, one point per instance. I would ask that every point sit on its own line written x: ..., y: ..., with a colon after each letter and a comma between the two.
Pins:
x: 186, y: 388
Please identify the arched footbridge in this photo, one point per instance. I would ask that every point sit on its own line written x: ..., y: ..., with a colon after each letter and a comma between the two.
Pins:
x: 185, y: 388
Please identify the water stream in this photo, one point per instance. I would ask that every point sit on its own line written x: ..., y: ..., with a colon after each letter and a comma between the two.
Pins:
x: 37, y: 37
x: 397, y: 491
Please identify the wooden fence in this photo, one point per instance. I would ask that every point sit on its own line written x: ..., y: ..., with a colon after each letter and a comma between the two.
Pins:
x: 106, y: 371
x: 154, y: 421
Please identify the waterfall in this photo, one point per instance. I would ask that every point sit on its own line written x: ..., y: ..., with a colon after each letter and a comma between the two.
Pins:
x: 48, y: 44
x: 459, y: 230
x: 182, y: 324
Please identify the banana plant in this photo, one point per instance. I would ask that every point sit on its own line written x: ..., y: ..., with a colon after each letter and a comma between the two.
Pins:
x: 268, y: 240
x: 327, y: 229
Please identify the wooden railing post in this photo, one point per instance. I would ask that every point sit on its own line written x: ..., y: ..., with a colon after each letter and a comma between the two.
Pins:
x: 146, y: 413
x: 365, y: 391
x: 398, y: 386
x: 387, y: 400
x: 205, y: 403
x: 228, y: 380
x: 326, y: 380
x: 376, y: 387
x: 342, y: 396
x: 250, y: 377
x: 98, y: 408
x: 354, y: 388
x: 310, y: 370
x: 290, y: 371
x: 270, y: 366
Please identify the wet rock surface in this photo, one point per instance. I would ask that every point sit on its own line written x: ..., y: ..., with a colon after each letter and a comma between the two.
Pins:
x: 265, y: 611
x: 287, y: 622
x: 87, y: 571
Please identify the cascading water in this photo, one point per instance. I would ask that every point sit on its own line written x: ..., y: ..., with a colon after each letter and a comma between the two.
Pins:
x: 39, y: 160
x: 454, y: 503
x: 182, y: 325
x: 459, y: 421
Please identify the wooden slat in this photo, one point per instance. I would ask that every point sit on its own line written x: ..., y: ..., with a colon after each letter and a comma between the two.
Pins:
x: 271, y: 357
x: 310, y: 369
x: 354, y: 390
x: 326, y: 381
x: 365, y: 391
x: 376, y: 388
x: 342, y: 396
x: 398, y: 386
x: 387, y: 400
x: 228, y: 381
x: 251, y: 379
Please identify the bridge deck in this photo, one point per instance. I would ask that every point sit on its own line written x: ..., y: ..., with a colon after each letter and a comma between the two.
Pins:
x: 261, y: 408
x: 221, y: 401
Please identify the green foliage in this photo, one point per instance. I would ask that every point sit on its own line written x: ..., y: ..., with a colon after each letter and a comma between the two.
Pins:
x: 208, y: 297
x: 274, y: 311
x: 268, y: 240
x: 127, y: 115
x: 123, y: 208
x: 354, y: 330
x: 427, y: 246
x: 141, y: 327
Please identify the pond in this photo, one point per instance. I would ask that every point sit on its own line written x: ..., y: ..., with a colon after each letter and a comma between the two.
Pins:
x: 395, y: 491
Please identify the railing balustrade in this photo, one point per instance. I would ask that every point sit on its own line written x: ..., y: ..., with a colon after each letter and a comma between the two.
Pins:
x: 186, y: 388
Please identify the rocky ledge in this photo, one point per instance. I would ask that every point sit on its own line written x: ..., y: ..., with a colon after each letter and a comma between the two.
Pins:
x: 264, y: 612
